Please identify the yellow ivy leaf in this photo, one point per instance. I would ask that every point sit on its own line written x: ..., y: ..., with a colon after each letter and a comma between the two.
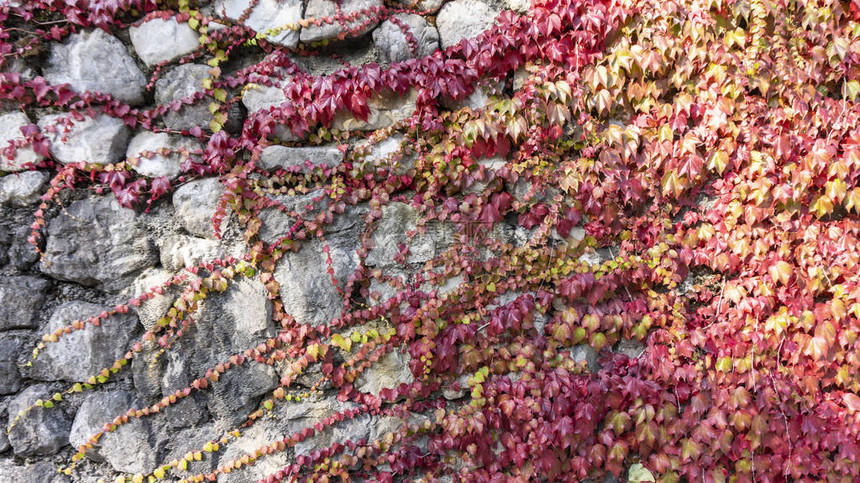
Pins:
x: 780, y: 272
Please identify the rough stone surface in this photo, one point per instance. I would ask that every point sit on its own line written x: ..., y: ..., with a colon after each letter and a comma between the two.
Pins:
x: 266, y: 15
x: 96, y: 242
x: 276, y: 223
x: 20, y: 300
x: 182, y: 82
x: 227, y: 325
x: 159, y: 40
x: 154, y: 308
x: 307, y: 291
x: 293, y: 417
x: 631, y: 348
x: 585, y: 353
x: 328, y: 8
x: 10, y: 378
x: 147, y: 369
x: 195, y: 204
x: 391, y: 230
x: 422, y: 5
x: 22, y: 189
x: 100, y: 140
x: 96, y: 410
x: 40, y: 431
x: 385, y: 110
x: 10, y: 130
x: 154, y: 165
x: 274, y: 157
x: 391, y: 41
x: 141, y: 444
x: 261, y: 97
x: 21, y: 253
x: 520, y: 6
x: 181, y: 251
x: 4, y: 446
x: 388, y: 373
x: 463, y: 19
x: 238, y: 392
x: 83, y: 353
x: 42, y: 472
x: 96, y: 61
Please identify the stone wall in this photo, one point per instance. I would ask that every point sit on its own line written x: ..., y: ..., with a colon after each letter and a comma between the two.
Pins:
x: 98, y: 254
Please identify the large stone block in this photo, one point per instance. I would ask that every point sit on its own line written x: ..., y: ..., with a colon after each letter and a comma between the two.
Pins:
x: 83, y: 353
x: 10, y: 130
x: 100, y: 140
x: 318, y: 9
x: 268, y: 15
x: 96, y: 61
x: 182, y: 82
x: 463, y: 19
x: 158, y: 40
x: 391, y: 40
x: 40, y: 431
x: 20, y: 300
x: 96, y: 242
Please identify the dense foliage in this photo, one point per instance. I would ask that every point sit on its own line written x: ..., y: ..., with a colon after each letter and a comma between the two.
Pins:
x: 709, y: 148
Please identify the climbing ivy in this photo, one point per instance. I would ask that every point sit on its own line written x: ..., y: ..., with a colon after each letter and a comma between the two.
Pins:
x: 706, y: 149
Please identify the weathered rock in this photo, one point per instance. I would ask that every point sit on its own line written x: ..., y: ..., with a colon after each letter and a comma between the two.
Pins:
x: 585, y: 353
x: 307, y: 291
x: 4, y: 446
x: 195, y: 204
x: 387, y: 373
x: 261, y: 97
x: 20, y: 300
x: 276, y: 223
x: 97, y: 410
x: 42, y: 471
x: 149, y: 311
x: 22, y: 254
x: 96, y: 61
x: 392, y: 43
x: 328, y: 8
x: 141, y: 444
x: 385, y: 110
x: 268, y: 15
x: 100, y: 140
x: 22, y: 189
x: 391, y: 231
x: 96, y: 242
x: 17, y: 65
x: 631, y: 348
x: 422, y: 5
x: 463, y: 19
x: 131, y: 448
x: 238, y: 392
x: 180, y: 251
x: 82, y: 353
x: 147, y: 370
x: 158, y: 40
x: 226, y: 325
x: 520, y: 6
x: 457, y: 389
x: 40, y: 431
x: 265, y: 98
x: 288, y: 419
x: 10, y: 130
x: 274, y: 157
x: 143, y: 152
x: 10, y: 378
x: 183, y: 82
